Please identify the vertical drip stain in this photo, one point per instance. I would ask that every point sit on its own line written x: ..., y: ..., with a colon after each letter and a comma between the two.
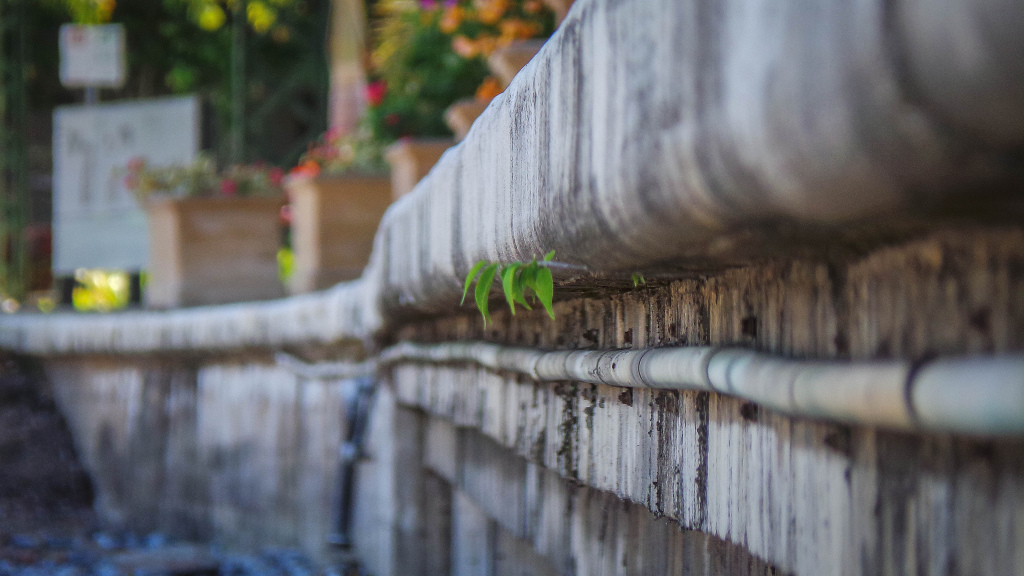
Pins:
x: 703, y: 401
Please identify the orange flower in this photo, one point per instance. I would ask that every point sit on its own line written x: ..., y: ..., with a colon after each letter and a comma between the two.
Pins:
x: 451, y: 19
x: 517, y: 29
x: 491, y: 11
x: 307, y: 169
x: 489, y: 88
x: 465, y: 47
x: 486, y: 44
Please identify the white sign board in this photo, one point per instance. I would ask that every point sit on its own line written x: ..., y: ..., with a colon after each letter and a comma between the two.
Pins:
x: 92, y: 55
x: 97, y: 222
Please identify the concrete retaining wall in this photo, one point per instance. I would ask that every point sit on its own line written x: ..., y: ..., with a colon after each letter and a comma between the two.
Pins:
x: 836, y: 181
x: 471, y: 471
x: 236, y: 450
x: 801, y: 496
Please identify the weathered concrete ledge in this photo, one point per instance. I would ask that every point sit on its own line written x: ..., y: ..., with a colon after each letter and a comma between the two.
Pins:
x: 803, y: 495
x: 650, y: 133
x: 328, y: 317
x: 704, y: 143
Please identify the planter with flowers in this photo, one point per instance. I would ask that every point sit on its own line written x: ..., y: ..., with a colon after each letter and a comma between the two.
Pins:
x: 213, y: 237
x: 338, y: 194
x: 430, y: 55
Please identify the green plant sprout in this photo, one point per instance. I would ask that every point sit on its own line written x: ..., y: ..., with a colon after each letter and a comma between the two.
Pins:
x: 519, y: 280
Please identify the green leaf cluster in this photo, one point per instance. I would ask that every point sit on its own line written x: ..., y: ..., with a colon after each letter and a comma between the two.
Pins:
x: 423, y: 75
x: 521, y: 283
x: 414, y: 56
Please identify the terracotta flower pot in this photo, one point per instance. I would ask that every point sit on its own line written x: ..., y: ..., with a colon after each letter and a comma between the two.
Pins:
x: 334, y: 219
x: 461, y: 115
x: 411, y: 160
x: 212, y: 250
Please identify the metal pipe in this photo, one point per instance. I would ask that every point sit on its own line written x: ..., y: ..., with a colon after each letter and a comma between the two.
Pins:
x: 325, y: 370
x: 358, y: 405
x: 963, y: 395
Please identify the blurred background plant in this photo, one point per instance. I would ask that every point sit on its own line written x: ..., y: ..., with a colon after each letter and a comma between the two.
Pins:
x: 333, y: 153
x: 429, y: 54
x: 85, y: 11
x: 263, y: 102
x: 200, y: 179
x: 100, y: 290
x: 261, y: 68
x: 189, y: 46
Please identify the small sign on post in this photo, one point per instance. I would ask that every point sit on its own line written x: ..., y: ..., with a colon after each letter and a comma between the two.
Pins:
x: 92, y: 56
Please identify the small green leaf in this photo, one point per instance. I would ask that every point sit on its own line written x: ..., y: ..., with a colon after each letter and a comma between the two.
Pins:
x: 549, y: 256
x: 483, y: 290
x: 529, y: 277
x: 638, y: 279
x: 469, y: 279
x: 508, y: 284
x: 545, y: 289
x: 519, y: 290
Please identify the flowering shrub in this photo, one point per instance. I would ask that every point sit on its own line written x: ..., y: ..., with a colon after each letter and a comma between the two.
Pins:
x: 262, y: 15
x: 430, y: 54
x: 210, y: 15
x: 87, y: 11
x: 200, y: 179
x: 335, y: 154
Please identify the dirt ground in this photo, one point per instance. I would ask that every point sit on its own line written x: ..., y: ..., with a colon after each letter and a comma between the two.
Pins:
x: 42, y: 484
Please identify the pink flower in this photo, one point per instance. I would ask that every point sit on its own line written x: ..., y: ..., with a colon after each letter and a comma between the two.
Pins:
x: 451, y: 3
x: 276, y: 176
x: 286, y: 214
x: 375, y: 92
x: 131, y: 181
x: 428, y: 4
x: 136, y: 163
x: 228, y: 187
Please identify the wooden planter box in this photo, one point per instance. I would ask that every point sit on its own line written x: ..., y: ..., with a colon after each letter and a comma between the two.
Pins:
x: 461, y: 115
x: 212, y: 250
x: 411, y: 160
x: 334, y: 220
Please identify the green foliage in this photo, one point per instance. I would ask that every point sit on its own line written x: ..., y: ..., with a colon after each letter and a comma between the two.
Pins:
x: 422, y: 78
x: 83, y: 11
x: 519, y: 281
x: 428, y: 55
x: 483, y: 290
x: 169, y: 51
x: 211, y: 15
x: 100, y: 290
x: 285, y: 264
x: 201, y: 178
x: 333, y: 153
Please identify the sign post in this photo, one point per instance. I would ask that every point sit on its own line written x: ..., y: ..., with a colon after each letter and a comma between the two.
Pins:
x: 92, y: 57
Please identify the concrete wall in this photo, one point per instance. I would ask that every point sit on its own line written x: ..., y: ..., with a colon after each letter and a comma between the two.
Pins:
x: 471, y: 471
x: 829, y: 182
x: 235, y: 450
x: 779, y: 493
